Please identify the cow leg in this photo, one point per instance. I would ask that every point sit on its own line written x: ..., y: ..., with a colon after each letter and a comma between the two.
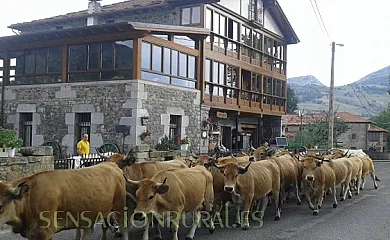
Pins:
x: 358, y: 183
x: 374, y: 178
x: 342, y: 189
x: 316, y: 201
x: 308, y: 199
x: 175, y: 223
x: 87, y: 233
x: 334, y: 196
x: 78, y: 234
x: 264, y: 203
x: 299, y: 201
x: 191, y: 234
x: 363, y: 182
x: 148, y: 220
x: 346, y: 190
x: 247, y: 207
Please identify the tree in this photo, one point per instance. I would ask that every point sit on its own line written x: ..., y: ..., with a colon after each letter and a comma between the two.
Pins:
x: 317, y: 132
x: 292, y: 100
x: 383, y: 121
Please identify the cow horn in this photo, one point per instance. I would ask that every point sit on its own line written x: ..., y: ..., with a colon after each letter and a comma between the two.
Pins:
x: 16, y: 191
x: 160, y: 184
x: 231, y: 154
x: 194, y: 156
x: 346, y: 153
x: 131, y: 181
x: 101, y: 155
x: 252, y: 148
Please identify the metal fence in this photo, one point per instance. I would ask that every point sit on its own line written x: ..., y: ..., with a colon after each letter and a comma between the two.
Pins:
x: 74, y: 162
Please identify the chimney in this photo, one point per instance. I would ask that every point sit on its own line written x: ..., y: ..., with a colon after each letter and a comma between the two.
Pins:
x: 93, y: 7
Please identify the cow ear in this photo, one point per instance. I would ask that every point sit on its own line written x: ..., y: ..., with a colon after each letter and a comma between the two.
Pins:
x: 251, y: 158
x: 129, y: 160
x: 319, y: 163
x: 242, y: 170
x: 163, y: 188
x: 19, y: 190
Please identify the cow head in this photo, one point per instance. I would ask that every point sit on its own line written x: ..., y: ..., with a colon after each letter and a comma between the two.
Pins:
x: 120, y: 159
x: 8, y: 197
x: 310, y: 165
x: 263, y: 152
x: 205, y: 160
x: 146, y: 195
x: 231, y: 172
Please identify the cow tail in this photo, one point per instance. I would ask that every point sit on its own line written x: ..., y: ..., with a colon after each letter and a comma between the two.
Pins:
x: 377, y: 179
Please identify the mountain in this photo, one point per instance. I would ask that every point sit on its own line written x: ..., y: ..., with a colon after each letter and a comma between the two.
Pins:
x: 380, y: 77
x: 305, y: 81
x: 366, y: 97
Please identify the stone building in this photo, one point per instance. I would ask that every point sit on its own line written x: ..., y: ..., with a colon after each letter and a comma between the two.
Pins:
x: 163, y: 66
x: 362, y: 133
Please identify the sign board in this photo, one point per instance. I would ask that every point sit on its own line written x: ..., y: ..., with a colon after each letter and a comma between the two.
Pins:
x: 222, y: 115
x: 281, y: 141
x: 122, y: 129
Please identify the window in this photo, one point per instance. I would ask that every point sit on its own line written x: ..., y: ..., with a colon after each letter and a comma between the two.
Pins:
x: 373, y: 136
x: 175, y: 127
x: 2, y: 58
x: 35, y: 66
x: 185, y: 41
x: 83, y: 126
x: 25, y: 128
x: 165, y: 65
x: 190, y: 16
x: 101, y: 61
x: 255, y: 11
x: 353, y: 135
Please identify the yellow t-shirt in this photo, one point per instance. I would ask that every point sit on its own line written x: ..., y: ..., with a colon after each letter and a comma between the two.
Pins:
x: 84, y: 147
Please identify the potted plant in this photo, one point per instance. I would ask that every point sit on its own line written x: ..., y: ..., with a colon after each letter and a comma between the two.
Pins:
x: 9, y: 142
x: 144, y: 135
x: 184, y: 143
x: 15, y: 144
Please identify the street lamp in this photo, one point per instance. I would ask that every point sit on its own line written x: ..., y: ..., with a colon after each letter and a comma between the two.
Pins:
x: 331, y: 110
x: 300, y: 114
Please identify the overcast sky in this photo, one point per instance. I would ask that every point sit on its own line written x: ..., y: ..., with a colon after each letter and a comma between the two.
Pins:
x: 362, y: 26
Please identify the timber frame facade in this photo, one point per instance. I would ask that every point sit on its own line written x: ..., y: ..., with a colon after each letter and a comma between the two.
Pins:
x: 237, y: 64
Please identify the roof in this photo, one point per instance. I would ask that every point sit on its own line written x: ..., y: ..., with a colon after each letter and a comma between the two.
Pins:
x: 109, y: 9
x: 294, y: 119
x: 123, y: 27
x: 373, y: 128
x: 273, y: 7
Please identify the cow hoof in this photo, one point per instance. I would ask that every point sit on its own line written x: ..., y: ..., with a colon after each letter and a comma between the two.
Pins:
x: 158, y: 238
x: 188, y: 238
x: 356, y: 193
x: 361, y: 188
x: 376, y: 187
x: 245, y: 228
x: 118, y: 235
x: 299, y: 203
x: 349, y: 196
x: 342, y: 199
x: 334, y: 205
x: 277, y: 218
x: 211, y: 230
x: 315, y: 213
x: 311, y: 208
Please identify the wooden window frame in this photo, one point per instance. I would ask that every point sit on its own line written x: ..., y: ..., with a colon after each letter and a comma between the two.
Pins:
x: 190, y: 17
x: 100, y: 70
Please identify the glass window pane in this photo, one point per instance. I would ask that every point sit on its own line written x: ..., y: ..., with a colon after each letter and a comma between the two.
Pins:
x: 175, y: 61
x: 185, y: 41
x: 54, y: 60
x: 208, y: 71
x: 183, y: 64
x: 183, y: 83
x: 216, y: 23
x: 195, y: 18
x: 146, y: 50
x: 222, y: 30
x: 41, y: 61
x: 154, y: 77
x: 215, y: 72
x: 93, y: 56
x: 222, y: 74
x: 208, y: 18
x: 191, y: 67
x: 77, y: 56
x: 156, y: 58
x: 124, y: 54
x: 185, y: 16
x: 30, y: 62
x: 107, y: 55
x: 167, y: 61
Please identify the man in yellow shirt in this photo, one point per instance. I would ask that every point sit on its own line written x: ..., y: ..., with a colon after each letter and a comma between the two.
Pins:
x: 83, y: 146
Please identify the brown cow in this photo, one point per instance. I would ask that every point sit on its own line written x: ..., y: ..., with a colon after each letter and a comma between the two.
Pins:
x: 139, y: 171
x: 253, y: 182
x: 318, y: 177
x: 31, y: 204
x: 177, y: 191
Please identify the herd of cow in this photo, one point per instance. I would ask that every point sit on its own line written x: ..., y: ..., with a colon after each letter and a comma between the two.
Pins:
x: 122, y: 191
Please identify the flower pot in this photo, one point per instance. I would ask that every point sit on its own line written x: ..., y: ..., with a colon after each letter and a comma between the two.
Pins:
x: 3, y: 153
x: 184, y: 147
x: 11, y: 152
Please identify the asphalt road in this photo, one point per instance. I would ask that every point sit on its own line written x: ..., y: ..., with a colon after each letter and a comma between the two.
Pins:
x: 366, y: 216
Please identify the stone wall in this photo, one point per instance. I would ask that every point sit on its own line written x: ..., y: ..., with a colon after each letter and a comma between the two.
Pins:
x: 111, y: 103
x: 36, y: 160
x: 360, y: 142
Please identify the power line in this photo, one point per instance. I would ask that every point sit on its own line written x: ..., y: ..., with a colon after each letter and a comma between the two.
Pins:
x: 369, y: 104
x: 320, y: 22
x: 360, y: 101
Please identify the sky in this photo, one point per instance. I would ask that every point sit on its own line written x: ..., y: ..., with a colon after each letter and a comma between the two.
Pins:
x: 362, y: 26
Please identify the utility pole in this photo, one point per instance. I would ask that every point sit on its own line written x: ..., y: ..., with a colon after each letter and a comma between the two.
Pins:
x: 331, y: 96
x: 331, y: 111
